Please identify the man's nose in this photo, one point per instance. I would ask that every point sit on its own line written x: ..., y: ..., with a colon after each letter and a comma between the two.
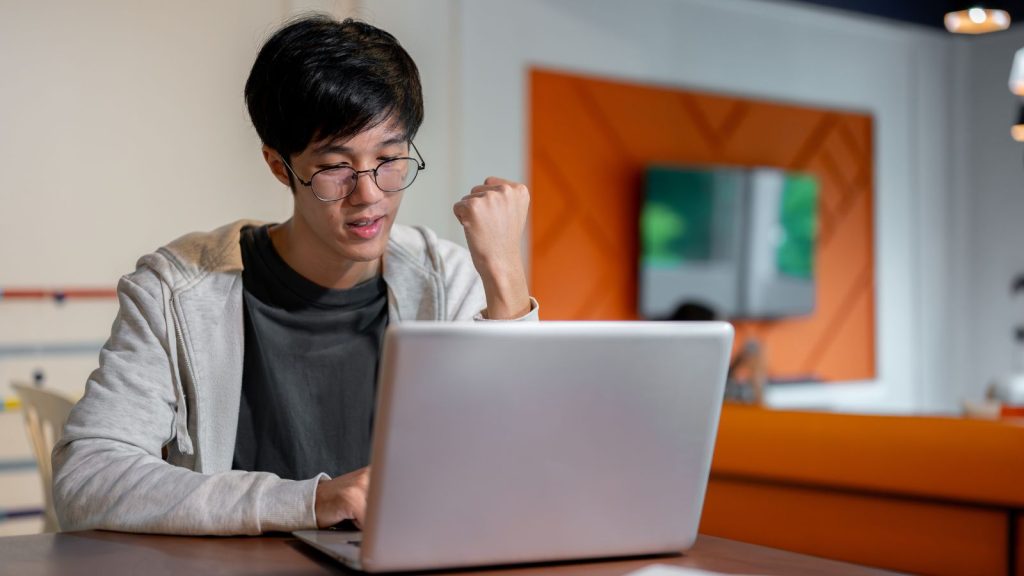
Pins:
x: 366, y: 190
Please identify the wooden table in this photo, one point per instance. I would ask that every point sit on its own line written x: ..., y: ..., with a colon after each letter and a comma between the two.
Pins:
x: 112, y: 553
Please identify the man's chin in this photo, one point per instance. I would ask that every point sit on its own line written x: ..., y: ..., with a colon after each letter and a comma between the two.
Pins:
x: 364, y: 251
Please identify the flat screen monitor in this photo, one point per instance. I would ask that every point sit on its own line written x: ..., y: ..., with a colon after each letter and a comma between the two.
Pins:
x: 740, y: 242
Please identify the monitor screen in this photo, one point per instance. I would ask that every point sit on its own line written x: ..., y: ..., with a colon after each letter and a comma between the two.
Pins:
x: 738, y: 242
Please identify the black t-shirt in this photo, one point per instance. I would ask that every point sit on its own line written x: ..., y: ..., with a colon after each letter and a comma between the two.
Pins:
x: 310, y: 373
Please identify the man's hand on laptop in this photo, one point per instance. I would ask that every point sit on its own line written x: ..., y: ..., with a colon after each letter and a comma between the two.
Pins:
x: 493, y: 216
x: 342, y: 498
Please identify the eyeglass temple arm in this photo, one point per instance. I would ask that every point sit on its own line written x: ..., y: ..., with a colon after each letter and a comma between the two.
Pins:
x: 297, y: 177
x: 423, y: 164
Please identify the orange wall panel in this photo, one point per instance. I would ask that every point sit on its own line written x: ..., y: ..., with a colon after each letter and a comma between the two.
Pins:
x: 590, y: 141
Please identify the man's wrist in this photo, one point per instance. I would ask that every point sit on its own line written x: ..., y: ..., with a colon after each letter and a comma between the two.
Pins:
x: 507, y: 294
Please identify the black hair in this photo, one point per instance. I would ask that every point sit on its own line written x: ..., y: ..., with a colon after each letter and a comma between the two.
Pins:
x: 318, y: 78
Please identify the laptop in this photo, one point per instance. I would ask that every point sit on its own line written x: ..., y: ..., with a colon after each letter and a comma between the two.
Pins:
x: 509, y: 443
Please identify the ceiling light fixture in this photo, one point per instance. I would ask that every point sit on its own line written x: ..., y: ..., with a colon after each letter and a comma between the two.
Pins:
x: 1017, y: 131
x: 977, y: 20
x: 1017, y: 73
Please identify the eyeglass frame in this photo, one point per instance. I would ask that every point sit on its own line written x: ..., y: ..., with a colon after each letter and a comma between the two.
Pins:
x: 421, y: 165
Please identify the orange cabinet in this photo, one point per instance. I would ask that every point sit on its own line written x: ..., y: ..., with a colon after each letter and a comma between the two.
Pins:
x: 922, y: 495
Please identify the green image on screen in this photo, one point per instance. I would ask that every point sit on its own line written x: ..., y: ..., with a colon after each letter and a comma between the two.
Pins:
x: 676, y: 218
x: 798, y: 217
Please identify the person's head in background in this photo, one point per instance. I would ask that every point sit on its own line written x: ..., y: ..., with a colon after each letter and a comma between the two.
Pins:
x: 691, y: 311
x: 337, y: 105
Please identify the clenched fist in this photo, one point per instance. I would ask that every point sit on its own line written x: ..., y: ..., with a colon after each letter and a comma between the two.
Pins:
x: 493, y: 216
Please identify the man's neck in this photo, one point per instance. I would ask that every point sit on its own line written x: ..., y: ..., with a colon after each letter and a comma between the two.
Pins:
x: 315, y: 261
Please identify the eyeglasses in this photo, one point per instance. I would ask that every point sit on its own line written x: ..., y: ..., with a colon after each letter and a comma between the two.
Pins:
x: 339, y: 182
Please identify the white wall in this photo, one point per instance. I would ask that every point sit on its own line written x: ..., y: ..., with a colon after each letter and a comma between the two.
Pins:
x: 993, y: 200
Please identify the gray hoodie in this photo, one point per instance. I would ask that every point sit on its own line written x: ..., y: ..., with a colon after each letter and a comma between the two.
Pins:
x: 149, y: 446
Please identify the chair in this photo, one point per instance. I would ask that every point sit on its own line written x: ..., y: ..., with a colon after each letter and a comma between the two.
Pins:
x: 45, y: 411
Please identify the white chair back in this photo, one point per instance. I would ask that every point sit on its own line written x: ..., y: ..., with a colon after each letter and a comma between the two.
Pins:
x: 45, y: 411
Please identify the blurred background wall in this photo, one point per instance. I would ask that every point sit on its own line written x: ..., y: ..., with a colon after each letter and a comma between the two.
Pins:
x: 122, y: 126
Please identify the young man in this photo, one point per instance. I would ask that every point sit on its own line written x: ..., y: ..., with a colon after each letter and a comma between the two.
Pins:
x: 235, y: 395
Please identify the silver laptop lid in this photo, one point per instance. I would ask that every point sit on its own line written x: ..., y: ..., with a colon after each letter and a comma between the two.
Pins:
x: 505, y: 443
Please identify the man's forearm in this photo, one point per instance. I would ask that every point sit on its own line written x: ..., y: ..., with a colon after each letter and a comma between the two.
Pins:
x: 101, y: 484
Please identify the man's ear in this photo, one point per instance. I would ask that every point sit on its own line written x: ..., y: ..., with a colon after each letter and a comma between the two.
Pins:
x: 277, y: 167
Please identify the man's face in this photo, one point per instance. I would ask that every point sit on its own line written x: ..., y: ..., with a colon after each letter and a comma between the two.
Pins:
x: 355, y: 228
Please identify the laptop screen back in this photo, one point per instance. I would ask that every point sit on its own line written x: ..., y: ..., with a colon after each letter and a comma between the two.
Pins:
x: 506, y: 443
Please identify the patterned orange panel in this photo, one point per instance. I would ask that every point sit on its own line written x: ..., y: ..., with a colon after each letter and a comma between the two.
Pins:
x: 590, y: 141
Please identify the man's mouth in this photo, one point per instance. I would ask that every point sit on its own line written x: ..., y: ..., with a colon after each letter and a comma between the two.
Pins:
x: 366, y: 227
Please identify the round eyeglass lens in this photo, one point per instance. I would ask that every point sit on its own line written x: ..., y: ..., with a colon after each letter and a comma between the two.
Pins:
x: 334, y: 184
x: 397, y: 174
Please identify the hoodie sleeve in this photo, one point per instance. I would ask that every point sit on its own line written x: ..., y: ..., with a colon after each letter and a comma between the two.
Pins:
x: 108, y: 472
